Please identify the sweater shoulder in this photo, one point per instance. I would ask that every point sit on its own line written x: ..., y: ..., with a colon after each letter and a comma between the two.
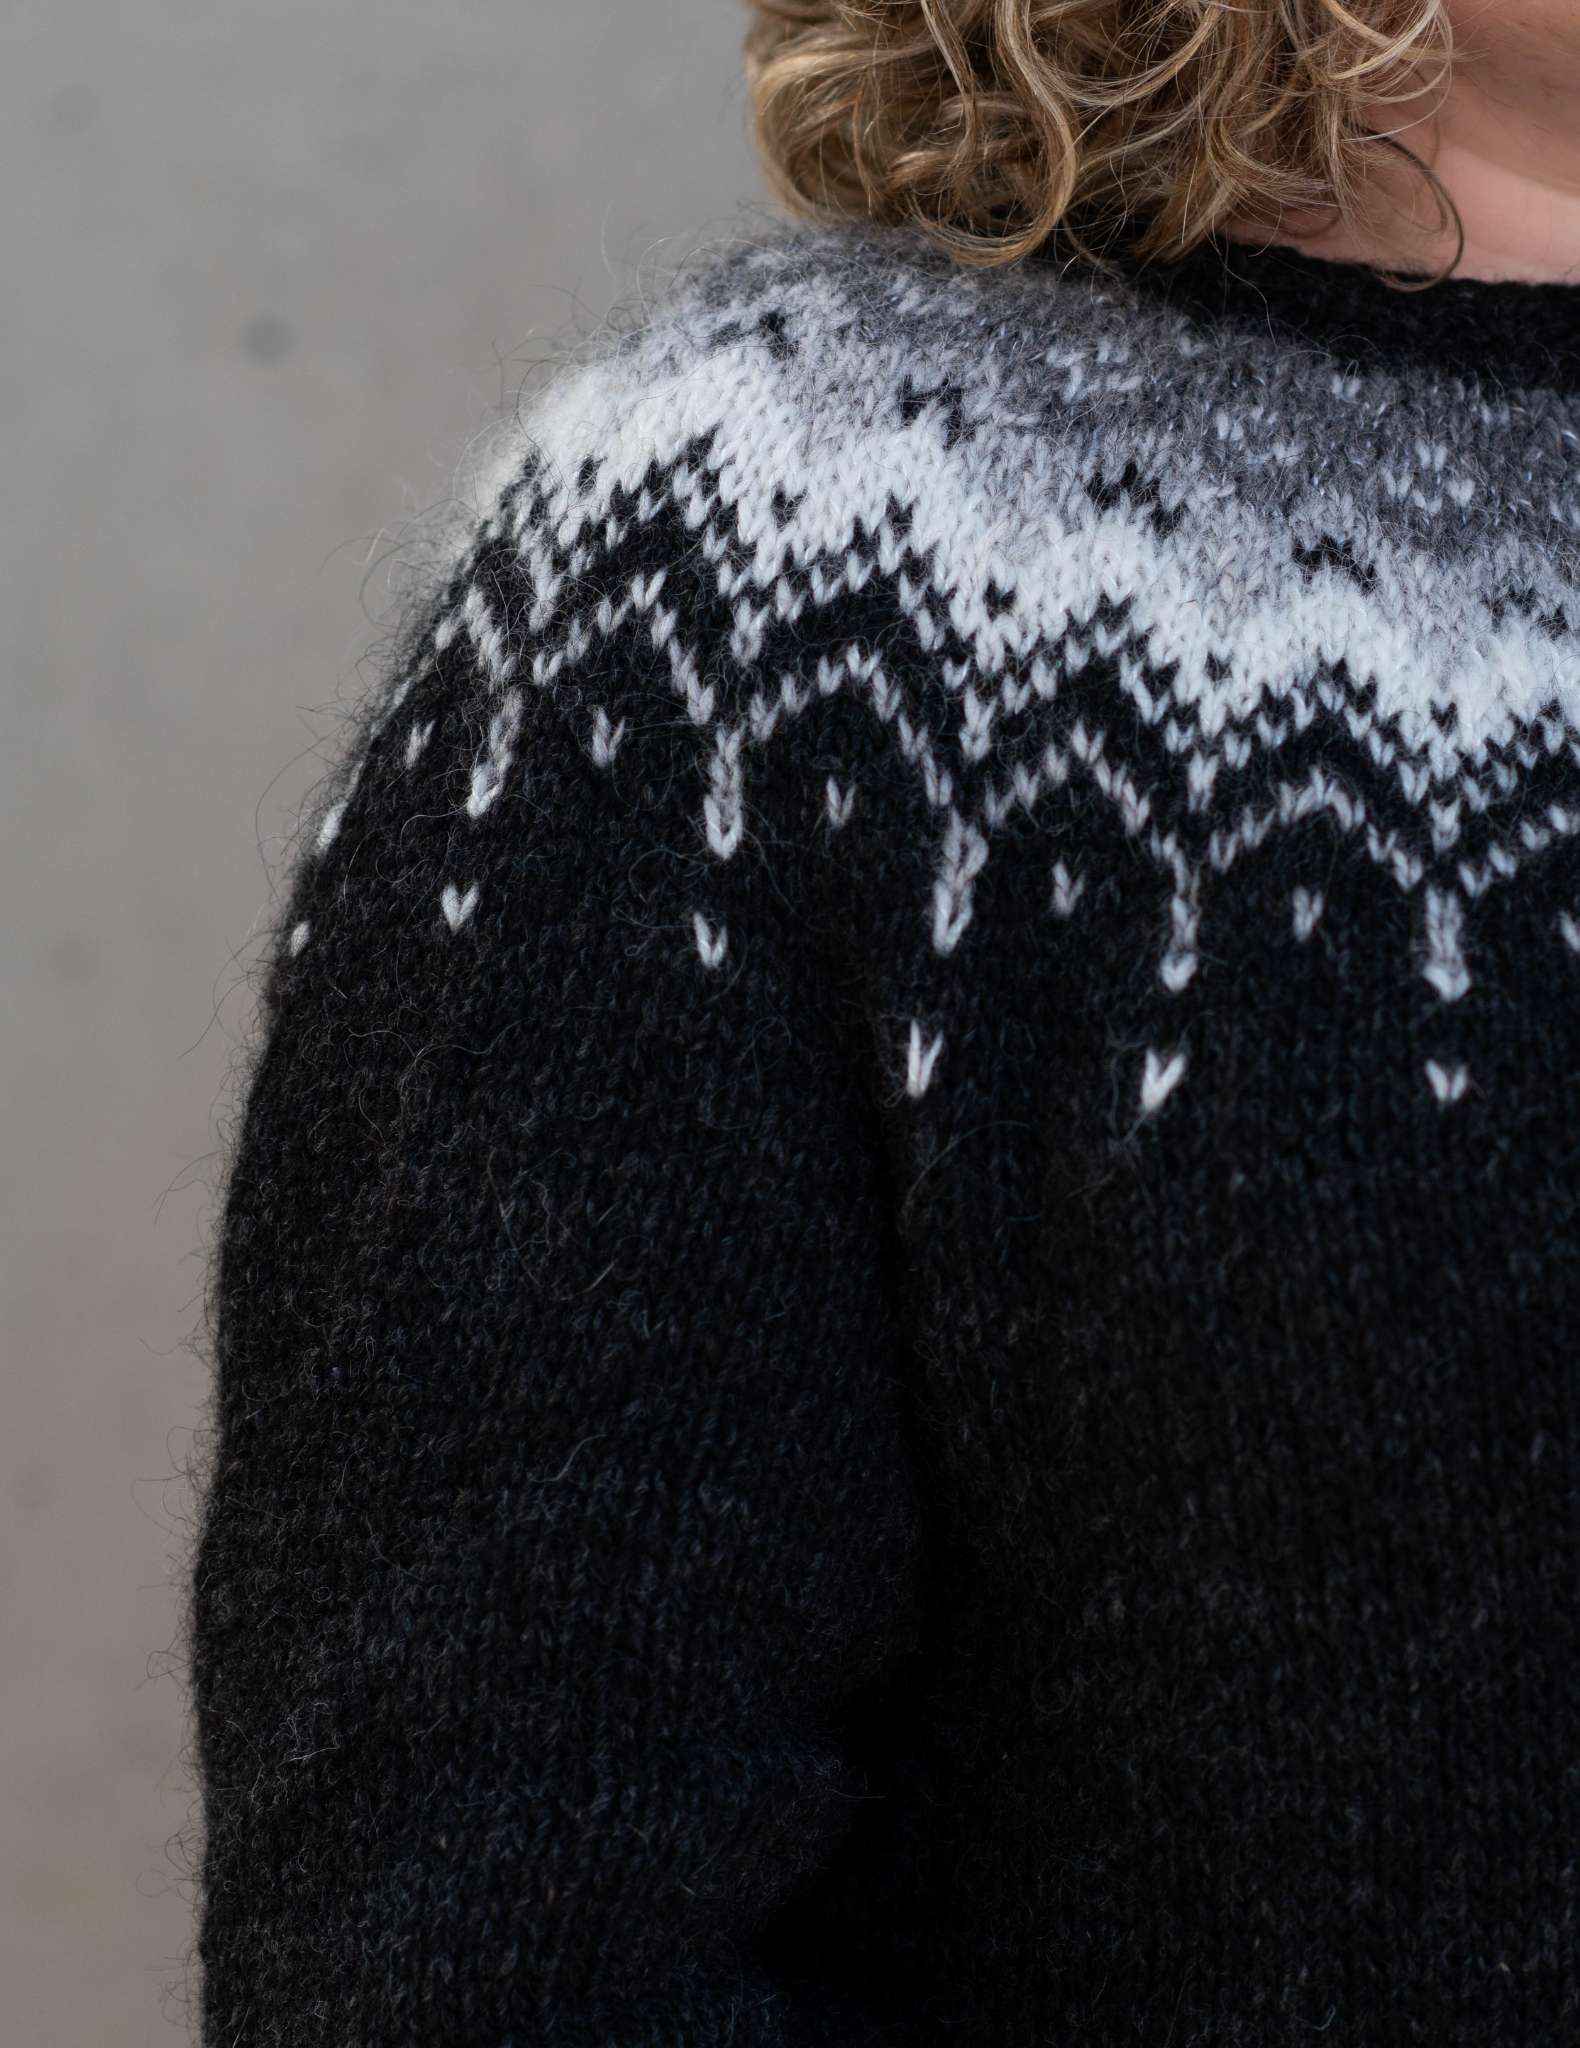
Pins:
x: 795, y: 417
x: 736, y: 559
x: 769, y: 350
x: 845, y: 368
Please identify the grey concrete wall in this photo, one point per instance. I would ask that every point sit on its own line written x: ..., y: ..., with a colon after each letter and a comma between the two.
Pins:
x: 265, y: 265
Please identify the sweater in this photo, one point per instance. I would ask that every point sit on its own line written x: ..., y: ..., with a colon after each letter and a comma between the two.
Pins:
x: 896, y: 1319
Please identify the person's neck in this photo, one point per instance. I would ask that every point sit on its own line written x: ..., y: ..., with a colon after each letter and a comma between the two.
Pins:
x: 1507, y: 152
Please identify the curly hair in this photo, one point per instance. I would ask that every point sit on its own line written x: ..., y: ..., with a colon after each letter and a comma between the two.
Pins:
x: 989, y: 124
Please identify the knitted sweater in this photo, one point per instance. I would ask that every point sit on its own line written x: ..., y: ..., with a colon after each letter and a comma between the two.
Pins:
x: 898, y: 1313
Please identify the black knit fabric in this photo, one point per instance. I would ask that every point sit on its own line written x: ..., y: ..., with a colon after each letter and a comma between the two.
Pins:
x: 898, y: 1318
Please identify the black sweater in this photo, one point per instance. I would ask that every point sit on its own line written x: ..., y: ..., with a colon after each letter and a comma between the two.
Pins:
x: 898, y: 1316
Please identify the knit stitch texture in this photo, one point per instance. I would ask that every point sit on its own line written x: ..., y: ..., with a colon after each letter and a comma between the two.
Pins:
x: 897, y: 1326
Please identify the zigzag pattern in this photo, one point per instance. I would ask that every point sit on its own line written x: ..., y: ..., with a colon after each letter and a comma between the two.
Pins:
x: 1207, y: 625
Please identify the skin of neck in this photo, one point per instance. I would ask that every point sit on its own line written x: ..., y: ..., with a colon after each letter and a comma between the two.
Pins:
x: 1502, y: 133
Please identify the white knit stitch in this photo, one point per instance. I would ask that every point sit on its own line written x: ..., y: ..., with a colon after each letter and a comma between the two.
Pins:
x: 606, y: 738
x: 1160, y: 1078
x: 610, y: 617
x: 920, y: 1061
x: 1569, y: 925
x: 488, y: 637
x: 964, y: 853
x: 999, y: 800
x: 416, y: 740
x: 1445, y: 968
x: 1448, y: 1082
x: 490, y: 769
x: 747, y: 637
x: 456, y: 907
x: 546, y: 667
x: 1308, y: 909
x: 446, y: 630
x: 1067, y: 889
x: 299, y: 935
x: 1026, y: 783
x: 390, y: 706
x: 578, y: 640
x: 330, y: 824
x: 912, y: 738
x: 976, y: 726
x: 722, y: 809
x: 1179, y: 962
x: 685, y: 680
x: 939, y: 785
x: 711, y: 944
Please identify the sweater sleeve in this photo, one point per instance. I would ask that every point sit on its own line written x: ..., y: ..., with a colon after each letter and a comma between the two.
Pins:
x: 560, y: 1505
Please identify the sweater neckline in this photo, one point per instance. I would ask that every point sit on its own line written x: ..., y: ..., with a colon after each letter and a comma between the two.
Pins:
x: 1504, y: 331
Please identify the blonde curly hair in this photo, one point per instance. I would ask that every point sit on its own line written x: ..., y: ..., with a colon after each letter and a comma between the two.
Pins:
x: 988, y: 124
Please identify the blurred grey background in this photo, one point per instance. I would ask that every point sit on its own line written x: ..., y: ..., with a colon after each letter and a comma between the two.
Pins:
x: 267, y: 265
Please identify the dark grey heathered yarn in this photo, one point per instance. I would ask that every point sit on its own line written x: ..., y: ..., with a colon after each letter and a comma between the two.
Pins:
x: 898, y: 1320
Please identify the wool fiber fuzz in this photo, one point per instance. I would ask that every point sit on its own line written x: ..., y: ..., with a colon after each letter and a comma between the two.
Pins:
x: 898, y: 1320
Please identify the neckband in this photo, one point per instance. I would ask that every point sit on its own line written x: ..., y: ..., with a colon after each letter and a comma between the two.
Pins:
x: 1509, y: 332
